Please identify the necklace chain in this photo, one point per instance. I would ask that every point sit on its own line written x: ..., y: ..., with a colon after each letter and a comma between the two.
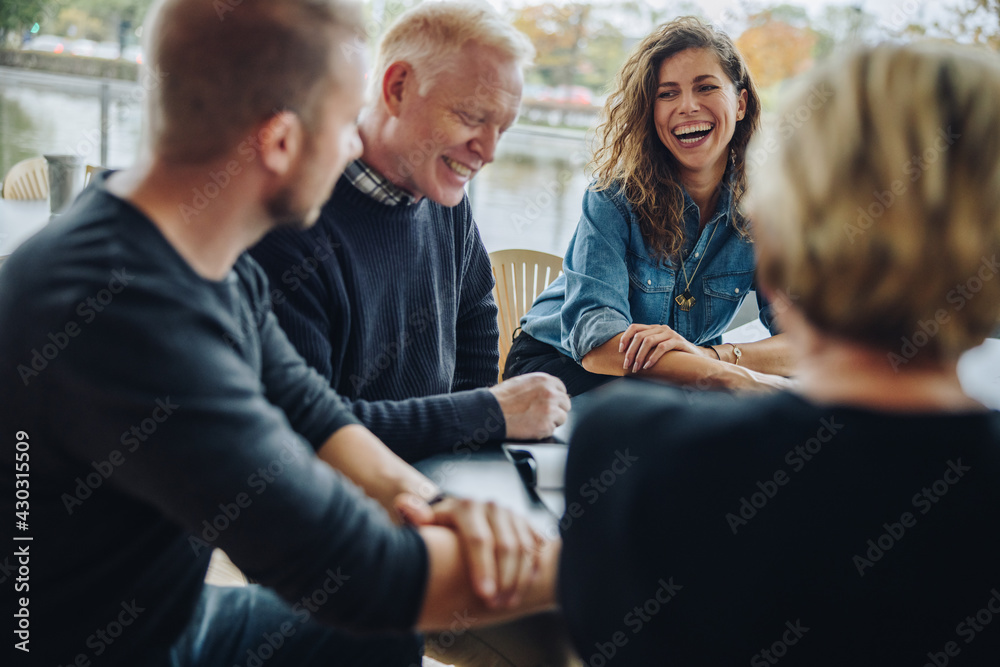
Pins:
x: 687, y: 284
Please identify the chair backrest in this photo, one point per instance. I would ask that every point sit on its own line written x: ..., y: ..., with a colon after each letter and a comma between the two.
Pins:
x: 520, y: 276
x: 28, y: 179
x: 91, y: 171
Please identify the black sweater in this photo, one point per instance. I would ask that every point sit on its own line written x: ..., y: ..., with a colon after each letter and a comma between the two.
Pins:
x: 394, y: 306
x: 711, y: 530
x: 166, y: 414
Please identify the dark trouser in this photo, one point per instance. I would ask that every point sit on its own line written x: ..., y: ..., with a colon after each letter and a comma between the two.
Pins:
x: 250, y: 626
x: 528, y: 355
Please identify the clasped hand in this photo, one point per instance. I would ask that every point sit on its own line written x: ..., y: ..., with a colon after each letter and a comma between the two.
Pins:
x: 503, y: 550
x: 644, y: 344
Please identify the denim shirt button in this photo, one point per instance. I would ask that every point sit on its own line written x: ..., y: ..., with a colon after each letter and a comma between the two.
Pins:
x: 649, y: 282
x: 737, y: 290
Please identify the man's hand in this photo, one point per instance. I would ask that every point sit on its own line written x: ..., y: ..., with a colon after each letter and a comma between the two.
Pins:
x: 533, y: 405
x: 644, y: 344
x: 502, y: 548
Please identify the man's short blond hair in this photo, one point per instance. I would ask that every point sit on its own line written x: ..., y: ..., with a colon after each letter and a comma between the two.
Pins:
x: 432, y: 33
x: 878, y: 209
x: 225, y: 67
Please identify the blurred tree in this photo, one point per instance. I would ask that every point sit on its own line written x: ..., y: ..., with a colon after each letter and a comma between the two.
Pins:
x: 844, y: 27
x: 110, y: 10
x: 775, y: 50
x: 17, y: 16
x: 605, y: 51
x: 789, y: 14
x: 117, y: 16
x: 559, y: 33
x: 976, y: 21
x: 76, y: 22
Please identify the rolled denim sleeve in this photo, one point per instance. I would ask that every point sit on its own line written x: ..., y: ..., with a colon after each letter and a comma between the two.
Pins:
x: 765, y: 312
x: 597, y: 284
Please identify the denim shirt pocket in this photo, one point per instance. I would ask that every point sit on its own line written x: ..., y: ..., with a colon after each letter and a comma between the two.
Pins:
x: 649, y: 289
x: 724, y: 293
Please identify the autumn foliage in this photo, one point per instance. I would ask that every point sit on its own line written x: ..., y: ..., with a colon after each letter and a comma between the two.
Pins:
x: 775, y: 50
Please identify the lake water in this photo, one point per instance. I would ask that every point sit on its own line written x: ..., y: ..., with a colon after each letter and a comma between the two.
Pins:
x: 530, y: 197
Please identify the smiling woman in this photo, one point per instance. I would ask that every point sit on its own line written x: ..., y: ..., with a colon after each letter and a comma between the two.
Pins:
x: 661, y: 260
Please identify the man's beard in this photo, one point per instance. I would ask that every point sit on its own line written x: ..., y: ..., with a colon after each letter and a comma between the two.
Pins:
x: 286, y: 212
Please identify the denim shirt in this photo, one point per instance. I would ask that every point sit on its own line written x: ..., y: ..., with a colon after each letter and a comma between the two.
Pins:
x: 610, y: 280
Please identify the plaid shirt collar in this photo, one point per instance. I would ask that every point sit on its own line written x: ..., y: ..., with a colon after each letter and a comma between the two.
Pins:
x: 376, y: 186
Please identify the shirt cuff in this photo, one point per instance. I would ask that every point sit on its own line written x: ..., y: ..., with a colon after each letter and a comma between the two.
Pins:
x: 339, y: 419
x: 766, y: 316
x: 480, y: 416
x: 595, y: 328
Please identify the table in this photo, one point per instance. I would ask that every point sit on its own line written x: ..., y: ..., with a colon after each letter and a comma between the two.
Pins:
x: 18, y: 221
x: 486, y: 474
x: 483, y: 472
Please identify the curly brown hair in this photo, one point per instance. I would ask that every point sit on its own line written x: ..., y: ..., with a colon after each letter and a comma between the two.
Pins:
x: 630, y: 154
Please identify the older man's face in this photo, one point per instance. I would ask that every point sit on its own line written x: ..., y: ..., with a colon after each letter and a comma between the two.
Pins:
x: 446, y: 137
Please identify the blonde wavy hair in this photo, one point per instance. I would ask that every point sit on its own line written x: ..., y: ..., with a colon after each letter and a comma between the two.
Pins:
x: 631, y: 156
x: 879, y: 218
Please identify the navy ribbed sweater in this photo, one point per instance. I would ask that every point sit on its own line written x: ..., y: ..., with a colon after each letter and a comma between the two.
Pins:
x: 394, y: 306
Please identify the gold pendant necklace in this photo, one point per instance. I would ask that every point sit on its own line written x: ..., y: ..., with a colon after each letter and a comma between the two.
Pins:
x: 685, y: 301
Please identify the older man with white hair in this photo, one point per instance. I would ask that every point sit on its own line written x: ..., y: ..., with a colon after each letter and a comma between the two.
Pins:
x: 390, y: 295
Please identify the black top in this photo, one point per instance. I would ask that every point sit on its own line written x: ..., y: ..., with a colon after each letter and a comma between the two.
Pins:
x: 702, y: 529
x: 167, y: 414
x: 394, y: 306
